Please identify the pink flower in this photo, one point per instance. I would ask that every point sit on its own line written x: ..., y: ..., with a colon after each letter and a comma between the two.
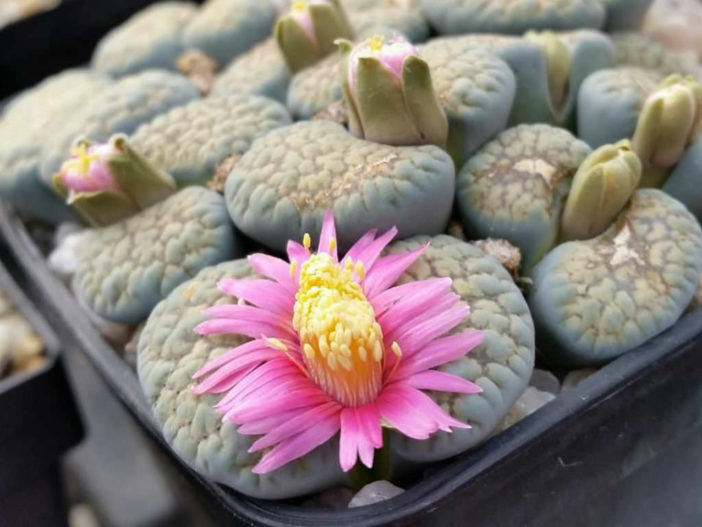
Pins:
x: 88, y: 170
x: 336, y: 348
x: 300, y: 11
x: 391, y: 54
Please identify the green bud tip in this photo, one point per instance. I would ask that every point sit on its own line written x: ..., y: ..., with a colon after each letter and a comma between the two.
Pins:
x: 557, y: 61
x: 602, y: 186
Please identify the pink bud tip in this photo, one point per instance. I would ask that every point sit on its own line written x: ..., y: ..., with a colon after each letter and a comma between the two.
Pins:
x: 88, y: 170
x: 391, y: 54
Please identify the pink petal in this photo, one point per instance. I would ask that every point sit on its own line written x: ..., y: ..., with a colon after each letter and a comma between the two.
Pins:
x: 439, y: 352
x: 265, y: 294
x: 267, y: 372
x: 358, y: 439
x: 297, y: 253
x: 296, y: 425
x: 442, y: 382
x: 387, y: 298
x: 298, y: 446
x: 388, y: 269
x: 360, y: 245
x: 368, y: 253
x: 328, y: 232
x: 273, y: 268
x: 431, y: 297
x: 309, y: 396
x: 249, y: 328
x: 415, y: 338
x: 215, y: 383
x: 248, y: 347
x: 266, y: 424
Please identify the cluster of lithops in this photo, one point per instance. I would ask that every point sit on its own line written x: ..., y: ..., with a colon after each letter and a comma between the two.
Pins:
x: 453, y: 183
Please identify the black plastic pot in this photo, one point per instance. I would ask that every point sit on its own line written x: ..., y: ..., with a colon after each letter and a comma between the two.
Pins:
x: 38, y: 423
x: 623, y: 448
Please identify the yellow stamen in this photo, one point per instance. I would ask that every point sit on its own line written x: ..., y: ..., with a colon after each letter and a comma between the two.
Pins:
x: 341, y: 340
x: 396, y: 349
x: 360, y: 270
x: 376, y: 43
x: 307, y: 241
x: 80, y: 160
x: 293, y: 268
x: 332, y: 244
x: 299, y: 6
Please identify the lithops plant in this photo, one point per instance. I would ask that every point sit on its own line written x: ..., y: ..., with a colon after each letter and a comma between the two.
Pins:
x: 190, y: 141
x: 259, y: 71
x: 489, y: 381
x: 109, y: 182
x: 149, y: 39
x: 625, y: 14
x: 635, y: 49
x: 609, y: 103
x: 306, y: 33
x: 125, y: 269
x: 28, y: 122
x: 223, y: 29
x: 511, y: 16
x: 596, y: 299
x: 668, y: 123
x: 549, y: 68
x: 281, y: 187
x: 121, y: 108
x: 474, y: 88
x: 514, y: 187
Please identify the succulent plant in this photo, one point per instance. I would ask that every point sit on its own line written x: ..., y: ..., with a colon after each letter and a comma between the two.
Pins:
x: 610, y: 101
x: 684, y: 181
x: 224, y: 29
x: 289, y: 177
x: 29, y: 121
x: 149, y: 39
x: 315, y: 88
x: 390, y: 95
x: 514, y: 187
x: 306, y: 33
x: 668, y: 123
x: 109, y: 182
x: 635, y: 49
x: 625, y: 14
x: 258, y: 71
x: 601, y: 188
x: 127, y: 268
x: 120, y: 108
x: 501, y: 366
x: 511, y: 16
x: 548, y: 67
x: 596, y: 299
x: 189, y: 141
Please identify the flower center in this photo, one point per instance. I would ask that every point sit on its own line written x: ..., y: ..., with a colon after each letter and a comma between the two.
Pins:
x: 80, y: 160
x: 342, y: 343
x: 376, y: 43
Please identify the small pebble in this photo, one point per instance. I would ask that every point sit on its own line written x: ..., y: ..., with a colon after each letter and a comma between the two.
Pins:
x: 63, y: 260
x: 375, y: 492
x: 545, y: 381
x: 531, y: 400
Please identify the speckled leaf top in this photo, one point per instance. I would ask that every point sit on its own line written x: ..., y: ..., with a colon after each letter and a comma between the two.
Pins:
x: 635, y: 49
x: 149, y: 39
x: 226, y: 28
x: 189, y: 141
x: 260, y: 71
x: 127, y: 268
x: 514, y: 186
x: 593, y: 300
x: 315, y: 88
x: 169, y: 353
x: 369, y: 22
x: 501, y: 365
x: 511, y: 16
x: 122, y: 107
x: 281, y: 187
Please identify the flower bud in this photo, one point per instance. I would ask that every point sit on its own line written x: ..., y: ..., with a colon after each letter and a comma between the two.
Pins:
x: 667, y: 125
x: 389, y: 93
x: 557, y: 61
x: 308, y: 31
x: 108, y: 182
x: 602, y: 186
